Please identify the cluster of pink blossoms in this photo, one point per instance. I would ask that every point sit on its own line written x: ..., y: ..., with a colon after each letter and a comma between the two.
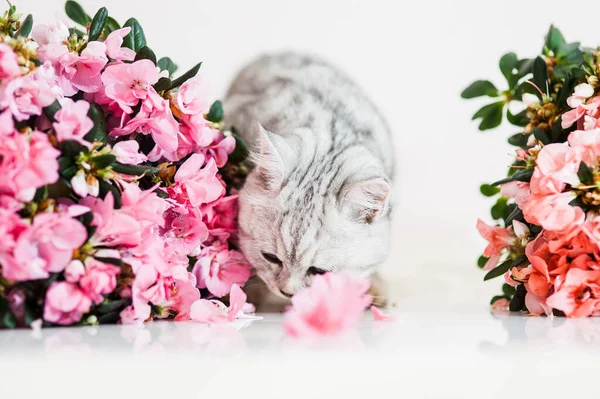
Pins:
x: 563, y: 262
x: 90, y: 247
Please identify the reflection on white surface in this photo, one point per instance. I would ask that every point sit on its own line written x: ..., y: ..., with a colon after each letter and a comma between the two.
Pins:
x: 445, y: 355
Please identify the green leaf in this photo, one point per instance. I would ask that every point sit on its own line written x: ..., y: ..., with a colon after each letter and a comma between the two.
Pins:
x: 98, y: 132
x: 525, y: 67
x: 554, y: 39
x: 71, y: 148
x: 540, y: 76
x: 188, y: 75
x: 507, y: 64
x: 523, y: 175
x: 106, y: 188
x: 104, y: 161
x: 491, y: 115
x: 76, y: 13
x: 111, y: 25
x: 97, y: 25
x: 240, y: 153
x: 497, y: 210
x: 518, y: 301
x: 68, y: 172
x: 488, y: 190
x: 585, y: 174
x: 166, y: 64
x: 216, y: 112
x: 7, y: 318
x: 519, y: 140
x: 134, y: 170
x: 111, y: 261
x: 541, y: 136
x: 25, y: 28
x: 52, y: 109
x: 163, y: 84
x: 504, y: 267
x: 480, y: 88
x: 113, y: 306
x: 482, y: 261
x: 519, y: 119
x: 516, y: 214
x: 136, y: 39
x: 146, y: 53
x: 508, y: 290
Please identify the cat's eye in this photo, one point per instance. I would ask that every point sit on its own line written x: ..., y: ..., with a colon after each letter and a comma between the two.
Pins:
x: 271, y: 258
x: 312, y: 271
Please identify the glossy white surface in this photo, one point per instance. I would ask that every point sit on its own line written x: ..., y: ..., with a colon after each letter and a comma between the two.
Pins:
x: 441, y: 355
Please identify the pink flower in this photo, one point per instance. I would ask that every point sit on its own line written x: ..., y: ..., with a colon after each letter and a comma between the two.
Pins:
x: 192, y: 96
x: 220, y: 149
x: 74, y: 271
x: 128, y: 152
x: 199, y: 185
x: 220, y: 216
x: 184, y: 232
x: 205, y: 311
x: 26, y: 164
x: 590, y: 109
x: 25, y: 96
x: 536, y: 305
x: 517, y: 190
x: 579, y: 294
x: 218, y: 268
x: 72, y: 121
x: 99, y: 279
x: 127, y: 84
x: 378, y: 314
x: 331, y: 305
x: 184, y: 297
x: 498, y: 238
x: 113, y: 227
x: 159, y: 123
x: 113, y: 43
x: 52, y: 33
x: 46, y: 247
x: 145, y: 207
x: 9, y: 65
x: 65, y: 303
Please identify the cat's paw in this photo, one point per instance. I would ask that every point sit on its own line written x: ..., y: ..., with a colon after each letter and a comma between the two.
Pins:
x: 379, y: 290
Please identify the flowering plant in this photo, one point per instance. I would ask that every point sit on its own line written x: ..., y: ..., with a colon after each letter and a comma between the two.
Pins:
x: 546, y: 241
x: 118, y: 181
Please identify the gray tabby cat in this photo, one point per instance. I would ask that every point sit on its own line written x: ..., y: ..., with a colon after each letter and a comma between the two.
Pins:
x: 318, y: 198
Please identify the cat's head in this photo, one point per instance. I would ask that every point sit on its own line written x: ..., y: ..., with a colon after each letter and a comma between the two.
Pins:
x: 306, y: 210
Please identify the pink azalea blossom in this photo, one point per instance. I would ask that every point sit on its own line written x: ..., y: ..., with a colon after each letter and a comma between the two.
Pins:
x: 498, y: 238
x: 579, y: 294
x: 65, y: 303
x: 26, y: 96
x: 220, y: 216
x: 127, y: 84
x: 44, y: 34
x: 333, y: 304
x: 72, y: 121
x: 159, y: 123
x: 46, y: 247
x: 9, y: 65
x: 145, y: 207
x: 99, y: 279
x: 200, y: 185
x: 114, y: 43
x: 378, y: 314
x: 113, y: 227
x: 517, y: 190
x: 128, y: 152
x: 184, y: 232
x: 74, y: 271
x: 590, y: 108
x: 205, y: 311
x: 185, y: 296
x: 26, y: 163
x: 192, y: 96
x: 218, y: 268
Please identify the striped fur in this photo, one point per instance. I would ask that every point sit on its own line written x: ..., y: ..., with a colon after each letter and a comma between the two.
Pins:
x: 319, y: 193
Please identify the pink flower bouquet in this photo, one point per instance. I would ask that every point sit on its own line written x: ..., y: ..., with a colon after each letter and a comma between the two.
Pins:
x: 117, y: 181
x: 546, y: 239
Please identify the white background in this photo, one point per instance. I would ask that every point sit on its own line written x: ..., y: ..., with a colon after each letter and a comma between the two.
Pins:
x: 413, y: 59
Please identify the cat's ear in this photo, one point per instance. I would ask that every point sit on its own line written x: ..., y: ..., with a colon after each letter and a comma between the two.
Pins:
x: 365, y: 201
x: 269, y: 153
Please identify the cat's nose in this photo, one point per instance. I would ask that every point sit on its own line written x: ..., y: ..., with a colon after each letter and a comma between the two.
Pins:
x: 286, y: 294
